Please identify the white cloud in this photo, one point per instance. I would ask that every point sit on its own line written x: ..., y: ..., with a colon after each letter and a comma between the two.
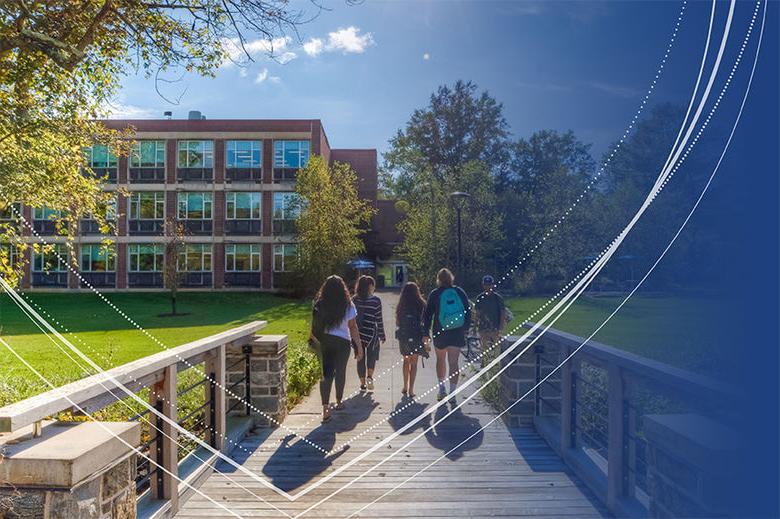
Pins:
x: 128, y: 111
x: 243, y: 72
x: 276, y: 49
x: 262, y: 76
x: 349, y: 41
x: 313, y: 47
x: 426, y: 56
x: 345, y: 40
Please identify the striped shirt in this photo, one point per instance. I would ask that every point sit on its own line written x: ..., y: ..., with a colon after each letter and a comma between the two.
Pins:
x: 369, y: 319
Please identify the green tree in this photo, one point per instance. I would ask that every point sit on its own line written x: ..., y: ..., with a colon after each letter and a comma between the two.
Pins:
x: 62, y: 62
x: 548, y: 172
x: 459, y: 125
x: 430, y: 226
x: 332, y: 219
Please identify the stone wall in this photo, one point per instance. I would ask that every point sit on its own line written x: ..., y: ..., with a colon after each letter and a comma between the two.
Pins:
x: 36, y: 487
x: 520, y: 378
x: 267, y: 379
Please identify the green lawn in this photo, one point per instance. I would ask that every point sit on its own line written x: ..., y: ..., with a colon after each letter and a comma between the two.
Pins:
x: 110, y: 340
x: 677, y: 331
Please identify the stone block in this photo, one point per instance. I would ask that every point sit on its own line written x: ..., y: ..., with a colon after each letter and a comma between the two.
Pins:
x: 116, y: 479
x: 66, y: 453
x: 15, y: 504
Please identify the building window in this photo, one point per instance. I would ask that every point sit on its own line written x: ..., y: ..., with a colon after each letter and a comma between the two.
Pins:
x: 286, y: 206
x: 195, y: 206
x: 9, y: 255
x: 244, y: 154
x: 285, y: 256
x: 99, y: 156
x: 44, y: 213
x: 196, y: 154
x: 147, y: 205
x: 98, y: 258
x: 242, y: 257
x: 147, y: 154
x: 146, y: 257
x: 242, y: 206
x: 52, y: 259
x: 195, y: 257
x: 11, y: 211
x: 291, y: 154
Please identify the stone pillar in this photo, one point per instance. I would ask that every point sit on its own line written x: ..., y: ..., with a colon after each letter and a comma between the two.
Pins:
x: 521, y: 377
x: 690, y: 462
x: 72, y: 471
x: 267, y: 379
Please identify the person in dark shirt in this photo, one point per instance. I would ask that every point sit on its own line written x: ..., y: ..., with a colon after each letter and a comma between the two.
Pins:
x: 491, y: 313
x: 371, y: 327
x: 448, y: 316
x: 409, y: 332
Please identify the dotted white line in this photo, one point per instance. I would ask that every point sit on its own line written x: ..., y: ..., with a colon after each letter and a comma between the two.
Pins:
x: 579, y: 198
x: 157, y: 341
x: 663, y: 185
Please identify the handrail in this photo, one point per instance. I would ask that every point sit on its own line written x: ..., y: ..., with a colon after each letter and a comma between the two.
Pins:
x: 615, y: 479
x: 675, y: 378
x: 97, y: 391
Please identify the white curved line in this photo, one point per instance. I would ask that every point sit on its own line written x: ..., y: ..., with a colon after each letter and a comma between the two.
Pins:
x: 100, y: 424
x: 151, y: 425
x: 625, y: 300
x: 565, y: 303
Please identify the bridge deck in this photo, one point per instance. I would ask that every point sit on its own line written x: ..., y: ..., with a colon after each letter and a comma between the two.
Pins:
x: 500, y: 472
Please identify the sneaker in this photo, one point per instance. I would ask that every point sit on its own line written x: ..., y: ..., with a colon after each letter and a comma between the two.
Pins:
x: 370, y: 384
x: 441, y: 396
x: 362, y: 387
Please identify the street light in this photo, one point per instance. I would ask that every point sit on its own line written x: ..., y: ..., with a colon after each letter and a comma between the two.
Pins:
x: 459, y: 199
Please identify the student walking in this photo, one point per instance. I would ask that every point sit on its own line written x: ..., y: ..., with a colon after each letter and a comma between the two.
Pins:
x: 333, y: 330
x: 448, y: 314
x: 491, y: 314
x: 371, y: 328
x: 410, y: 333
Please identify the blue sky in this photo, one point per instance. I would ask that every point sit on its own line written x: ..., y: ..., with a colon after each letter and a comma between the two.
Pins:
x: 363, y: 69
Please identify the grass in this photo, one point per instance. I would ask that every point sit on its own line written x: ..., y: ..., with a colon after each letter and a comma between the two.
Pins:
x: 110, y: 340
x: 681, y: 331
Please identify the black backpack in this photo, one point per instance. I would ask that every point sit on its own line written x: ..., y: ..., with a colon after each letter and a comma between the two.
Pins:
x: 410, y: 326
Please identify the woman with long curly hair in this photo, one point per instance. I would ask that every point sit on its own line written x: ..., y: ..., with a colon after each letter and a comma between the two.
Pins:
x: 334, y: 329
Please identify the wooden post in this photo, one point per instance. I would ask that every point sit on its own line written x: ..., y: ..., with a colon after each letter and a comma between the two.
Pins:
x: 567, y: 397
x: 164, y: 485
x: 615, y: 444
x: 215, y: 391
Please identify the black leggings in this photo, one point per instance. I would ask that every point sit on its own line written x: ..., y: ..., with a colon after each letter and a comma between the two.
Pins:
x: 335, y: 354
x: 370, y: 356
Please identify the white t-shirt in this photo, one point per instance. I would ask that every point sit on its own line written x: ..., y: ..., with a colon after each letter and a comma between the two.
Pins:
x: 342, y: 330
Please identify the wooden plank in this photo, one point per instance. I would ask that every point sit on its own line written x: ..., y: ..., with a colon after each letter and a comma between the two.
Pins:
x: 24, y: 413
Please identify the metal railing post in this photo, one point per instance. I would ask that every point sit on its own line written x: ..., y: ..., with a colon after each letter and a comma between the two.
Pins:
x: 247, y: 349
x: 615, y: 437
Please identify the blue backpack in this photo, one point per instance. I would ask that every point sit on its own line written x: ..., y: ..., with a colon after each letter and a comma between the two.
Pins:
x: 452, y: 314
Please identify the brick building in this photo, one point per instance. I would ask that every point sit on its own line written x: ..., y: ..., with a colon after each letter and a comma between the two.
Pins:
x: 230, y: 183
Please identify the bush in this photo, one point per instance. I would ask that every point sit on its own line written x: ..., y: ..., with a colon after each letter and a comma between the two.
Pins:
x: 303, y: 371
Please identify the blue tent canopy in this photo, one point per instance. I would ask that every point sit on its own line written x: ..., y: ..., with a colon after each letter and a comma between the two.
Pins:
x: 361, y: 264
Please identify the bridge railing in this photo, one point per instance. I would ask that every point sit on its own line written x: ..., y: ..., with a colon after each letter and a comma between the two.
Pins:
x: 646, y: 437
x: 196, y: 385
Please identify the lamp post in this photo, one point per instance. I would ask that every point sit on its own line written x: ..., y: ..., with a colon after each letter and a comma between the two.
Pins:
x: 459, y: 199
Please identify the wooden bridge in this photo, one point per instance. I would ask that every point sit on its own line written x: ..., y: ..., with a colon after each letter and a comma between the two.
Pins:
x: 609, y: 434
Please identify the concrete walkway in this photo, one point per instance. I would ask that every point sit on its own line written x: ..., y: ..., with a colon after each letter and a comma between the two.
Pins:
x: 501, y: 471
